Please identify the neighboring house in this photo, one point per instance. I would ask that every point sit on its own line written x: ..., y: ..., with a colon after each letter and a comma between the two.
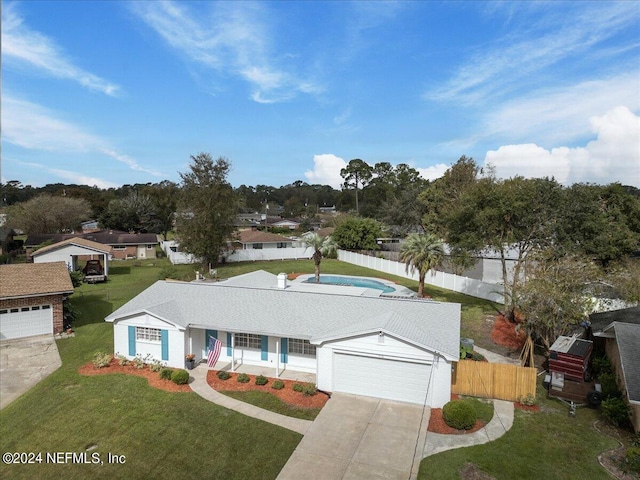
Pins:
x: 31, y: 298
x: 289, y: 223
x: 354, y: 342
x: 125, y: 245
x: 248, y: 221
x: 620, y: 331
x: 255, y: 239
x: 72, y: 250
x: 90, y: 226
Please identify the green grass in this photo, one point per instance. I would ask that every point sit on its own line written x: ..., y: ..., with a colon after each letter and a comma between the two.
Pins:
x: 270, y: 402
x: 545, y: 444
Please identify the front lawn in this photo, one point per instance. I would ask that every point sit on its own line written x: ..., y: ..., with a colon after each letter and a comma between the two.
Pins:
x: 269, y: 401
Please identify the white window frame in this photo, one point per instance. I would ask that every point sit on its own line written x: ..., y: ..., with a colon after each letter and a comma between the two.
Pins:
x: 146, y: 334
x: 298, y: 346
x: 248, y: 340
x: 119, y: 247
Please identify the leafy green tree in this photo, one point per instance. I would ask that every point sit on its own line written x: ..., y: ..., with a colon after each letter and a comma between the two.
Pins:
x: 48, y: 214
x: 358, y: 234
x: 322, y: 247
x: 206, y: 208
x: 165, y: 198
x: 555, y: 296
x: 136, y: 212
x: 600, y: 221
x: 504, y: 217
x: 421, y: 253
x: 356, y: 173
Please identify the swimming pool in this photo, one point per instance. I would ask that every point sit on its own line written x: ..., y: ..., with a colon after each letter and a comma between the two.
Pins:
x: 352, y: 282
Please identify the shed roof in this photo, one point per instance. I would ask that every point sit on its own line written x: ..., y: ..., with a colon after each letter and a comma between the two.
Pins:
x: 317, y: 317
x: 34, y: 279
x: 78, y: 241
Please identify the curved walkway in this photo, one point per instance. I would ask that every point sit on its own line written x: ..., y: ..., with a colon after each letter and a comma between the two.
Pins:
x: 198, y: 383
x: 501, y: 422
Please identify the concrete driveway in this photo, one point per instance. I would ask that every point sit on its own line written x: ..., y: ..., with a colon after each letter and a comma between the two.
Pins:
x: 357, y: 437
x: 23, y: 363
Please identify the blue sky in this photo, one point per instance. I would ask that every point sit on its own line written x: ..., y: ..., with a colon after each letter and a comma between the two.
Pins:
x: 112, y: 93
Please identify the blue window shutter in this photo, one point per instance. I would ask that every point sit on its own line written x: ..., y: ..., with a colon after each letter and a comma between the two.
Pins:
x: 284, y: 354
x: 228, y: 344
x: 132, y: 341
x: 264, y: 348
x: 164, y: 337
x: 207, y: 335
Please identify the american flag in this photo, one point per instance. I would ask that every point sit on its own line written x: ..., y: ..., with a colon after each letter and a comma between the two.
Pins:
x: 215, y: 347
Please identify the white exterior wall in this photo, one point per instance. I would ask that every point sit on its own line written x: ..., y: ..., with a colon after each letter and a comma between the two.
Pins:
x: 154, y: 349
x: 61, y: 255
x: 392, y: 348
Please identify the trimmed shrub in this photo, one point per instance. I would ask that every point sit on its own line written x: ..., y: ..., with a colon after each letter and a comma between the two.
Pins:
x: 609, y: 385
x: 243, y: 378
x: 600, y: 365
x: 180, y: 377
x: 261, y: 380
x: 309, y: 390
x: 278, y: 385
x: 459, y: 415
x: 297, y: 387
x: 222, y: 375
x: 122, y: 360
x: 632, y: 459
x: 165, y: 373
x: 101, y: 360
x: 528, y: 400
x: 615, y: 410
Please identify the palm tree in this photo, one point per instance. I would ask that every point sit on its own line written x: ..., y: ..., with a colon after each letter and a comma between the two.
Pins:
x: 322, y: 246
x: 421, y: 253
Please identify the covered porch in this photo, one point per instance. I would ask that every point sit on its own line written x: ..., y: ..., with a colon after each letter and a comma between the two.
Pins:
x: 269, y: 372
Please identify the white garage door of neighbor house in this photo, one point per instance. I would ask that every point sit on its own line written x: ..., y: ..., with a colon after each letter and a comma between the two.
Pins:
x: 26, y: 322
x: 380, y: 377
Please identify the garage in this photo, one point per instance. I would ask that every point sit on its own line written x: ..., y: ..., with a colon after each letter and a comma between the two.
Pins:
x: 26, y: 321
x: 393, y: 379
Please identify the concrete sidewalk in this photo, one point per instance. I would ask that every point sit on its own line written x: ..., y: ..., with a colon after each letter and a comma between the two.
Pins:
x: 198, y: 383
x: 501, y: 422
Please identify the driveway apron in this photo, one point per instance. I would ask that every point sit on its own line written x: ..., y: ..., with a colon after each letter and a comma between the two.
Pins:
x: 23, y: 363
x: 356, y: 437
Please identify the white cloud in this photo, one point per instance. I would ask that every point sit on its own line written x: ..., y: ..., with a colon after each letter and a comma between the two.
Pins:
x: 500, y: 68
x: 561, y: 115
x: 613, y: 157
x: 326, y: 170
x: 433, y: 172
x: 23, y: 46
x: 234, y: 38
x: 33, y: 127
x: 80, y: 179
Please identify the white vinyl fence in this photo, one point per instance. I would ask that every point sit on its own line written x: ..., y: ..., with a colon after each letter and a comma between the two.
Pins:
x: 179, y: 258
x: 468, y: 286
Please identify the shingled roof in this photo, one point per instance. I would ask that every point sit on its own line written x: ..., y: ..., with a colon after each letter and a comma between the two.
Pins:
x: 82, y: 242
x: 34, y: 279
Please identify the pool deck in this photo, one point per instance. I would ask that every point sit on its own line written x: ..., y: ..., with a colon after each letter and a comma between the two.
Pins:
x: 301, y: 284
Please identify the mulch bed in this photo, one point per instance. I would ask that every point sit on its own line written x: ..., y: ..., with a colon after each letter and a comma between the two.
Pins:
x: 438, y: 425
x: 526, y: 408
x: 287, y: 394
x: 504, y: 333
x: 152, y: 377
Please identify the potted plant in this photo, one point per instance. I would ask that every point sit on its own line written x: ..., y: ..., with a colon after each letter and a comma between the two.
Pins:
x: 190, y: 360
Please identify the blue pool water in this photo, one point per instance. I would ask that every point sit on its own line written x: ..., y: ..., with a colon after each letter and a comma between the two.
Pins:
x: 352, y: 282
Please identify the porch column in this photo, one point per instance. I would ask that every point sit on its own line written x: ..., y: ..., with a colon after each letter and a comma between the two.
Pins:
x: 277, y: 358
x: 233, y: 361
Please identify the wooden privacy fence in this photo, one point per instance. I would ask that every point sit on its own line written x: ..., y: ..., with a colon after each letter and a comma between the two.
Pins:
x: 493, y: 380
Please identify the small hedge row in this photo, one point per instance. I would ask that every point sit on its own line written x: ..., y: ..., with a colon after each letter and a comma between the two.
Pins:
x: 307, y: 389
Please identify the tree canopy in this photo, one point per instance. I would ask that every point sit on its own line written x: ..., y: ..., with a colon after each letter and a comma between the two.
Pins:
x: 357, y: 233
x: 48, y: 214
x: 206, y: 208
x: 322, y: 247
x: 421, y: 253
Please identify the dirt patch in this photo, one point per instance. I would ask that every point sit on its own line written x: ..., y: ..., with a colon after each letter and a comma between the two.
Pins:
x: 471, y: 471
x: 504, y: 333
x: 526, y: 408
x: 286, y: 394
x: 152, y: 377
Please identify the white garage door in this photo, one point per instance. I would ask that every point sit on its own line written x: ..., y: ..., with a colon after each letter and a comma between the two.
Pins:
x: 26, y: 322
x: 383, y: 378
